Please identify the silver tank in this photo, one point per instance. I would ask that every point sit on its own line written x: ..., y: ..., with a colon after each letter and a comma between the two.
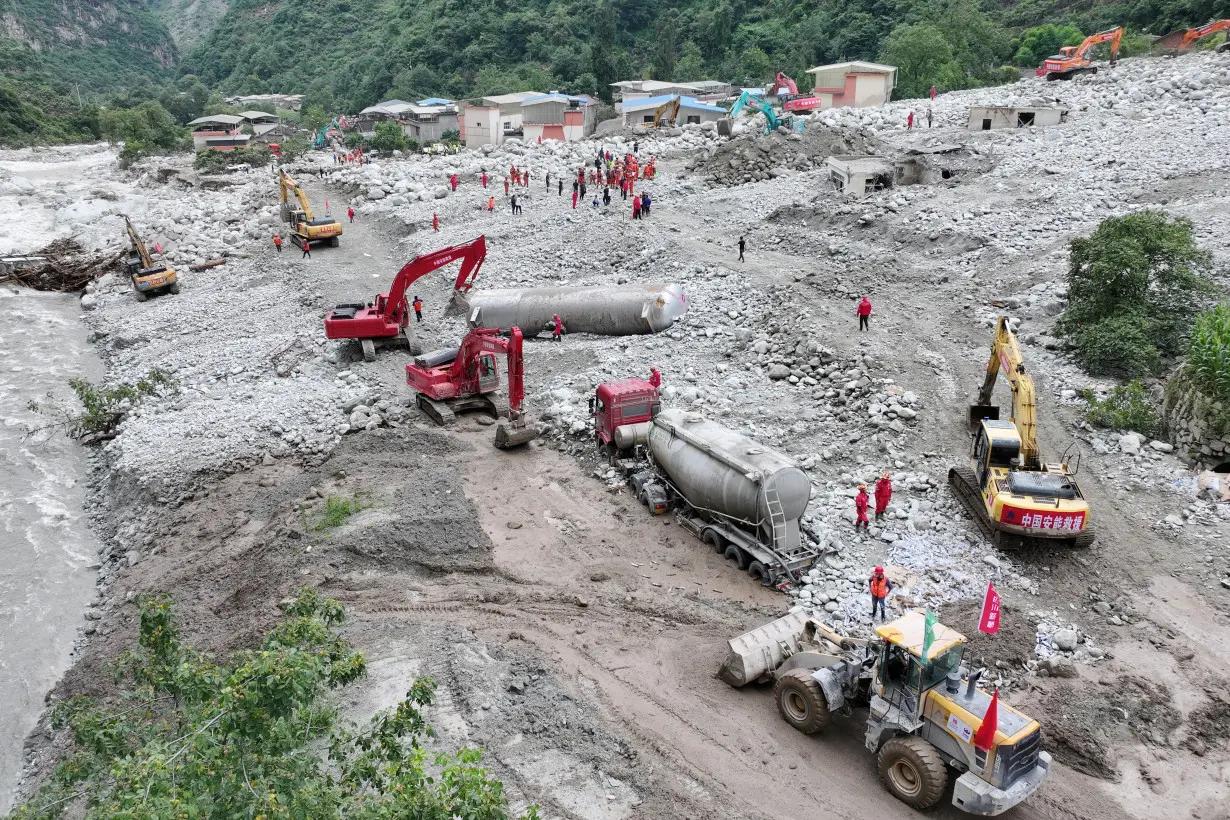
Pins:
x: 726, y: 472
x: 617, y: 310
x: 628, y: 436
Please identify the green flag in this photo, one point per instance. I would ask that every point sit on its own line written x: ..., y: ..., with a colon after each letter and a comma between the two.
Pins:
x: 929, y: 621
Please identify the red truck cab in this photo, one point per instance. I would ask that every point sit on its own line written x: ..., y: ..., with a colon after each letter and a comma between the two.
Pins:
x: 627, y: 401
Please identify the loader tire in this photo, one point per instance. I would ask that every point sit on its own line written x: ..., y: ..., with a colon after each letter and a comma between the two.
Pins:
x: 737, y: 555
x: 912, y: 771
x: 801, y: 701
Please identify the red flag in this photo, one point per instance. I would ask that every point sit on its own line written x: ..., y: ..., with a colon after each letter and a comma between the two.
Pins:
x: 988, y: 621
x: 984, y: 738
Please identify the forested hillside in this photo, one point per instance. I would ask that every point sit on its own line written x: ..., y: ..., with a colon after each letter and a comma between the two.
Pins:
x: 351, y: 53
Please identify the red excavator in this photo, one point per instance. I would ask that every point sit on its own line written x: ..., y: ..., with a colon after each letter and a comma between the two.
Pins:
x: 1183, y: 40
x: 1072, y: 61
x: 467, y: 378
x: 389, y: 315
x: 783, y: 88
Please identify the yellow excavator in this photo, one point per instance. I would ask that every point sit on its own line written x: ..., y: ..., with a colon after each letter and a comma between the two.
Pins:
x: 666, y: 113
x: 1016, y: 497
x: 148, y: 277
x: 306, y: 228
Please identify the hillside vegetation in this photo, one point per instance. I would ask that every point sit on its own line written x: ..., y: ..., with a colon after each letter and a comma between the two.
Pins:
x: 350, y: 54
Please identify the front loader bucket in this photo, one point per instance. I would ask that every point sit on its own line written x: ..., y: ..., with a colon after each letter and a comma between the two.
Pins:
x: 978, y: 412
x: 514, y: 434
x: 754, y: 655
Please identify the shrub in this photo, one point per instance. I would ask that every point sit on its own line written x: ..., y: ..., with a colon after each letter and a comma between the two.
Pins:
x: 255, y: 735
x: 337, y: 510
x: 1134, y: 286
x: 1208, y: 356
x: 147, y: 129
x: 1128, y: 407
x: 389, y: 137
x: 102, y: 408
x: 215, y: 161
x: 1042, y: 41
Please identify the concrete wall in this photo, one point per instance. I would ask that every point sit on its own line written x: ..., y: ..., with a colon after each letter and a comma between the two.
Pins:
x: 482, y: 126
x: 986, y: 118
x: 697, y: 115
x: 1191, y: 418
x: 870, y: 90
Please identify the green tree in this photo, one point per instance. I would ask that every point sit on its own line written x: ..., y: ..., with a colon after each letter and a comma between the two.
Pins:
x: 1040, y: 42
x: 1134, y: 286
x: 186, y: 100
x: 389, y: 137
x: 196, y: 737
x: 691, y: 65
x: 313, y: 119
x: 923, y: 58
x: 667, y: 48
x: 147, y: 129
x: 755, y: 67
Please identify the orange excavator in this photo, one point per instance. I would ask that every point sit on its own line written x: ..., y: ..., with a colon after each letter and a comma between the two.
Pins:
x: 1072, y: 61
x: 466, y: 377
x: 388, y: 316
x: 1183, y: 40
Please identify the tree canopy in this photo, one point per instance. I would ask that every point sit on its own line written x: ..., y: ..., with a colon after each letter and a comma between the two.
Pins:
x: 256, y: 735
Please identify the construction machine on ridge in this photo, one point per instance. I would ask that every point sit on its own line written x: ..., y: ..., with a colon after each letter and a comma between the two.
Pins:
x: 148, y: 277
x: 387, y: 317
x: 1180, y: 41
x: 1072, y: 61
x: 1017, y: 498
x: 306, y: 228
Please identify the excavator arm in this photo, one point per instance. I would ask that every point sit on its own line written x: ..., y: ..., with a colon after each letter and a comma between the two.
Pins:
x: 300, y: 196
x: 1006, y: 357
x: 488, y: 340
x: 784, y: 85
x: 472, y: 255
x: 1113, y: 36
x: 1194, y: 34
x: 138, y: 245
x: 666, y: 112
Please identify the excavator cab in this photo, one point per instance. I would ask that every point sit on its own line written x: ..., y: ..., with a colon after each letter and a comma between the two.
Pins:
x: 486, y: 374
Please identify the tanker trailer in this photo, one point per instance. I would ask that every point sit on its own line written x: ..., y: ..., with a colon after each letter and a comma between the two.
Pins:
x: 623, y: 310
x: 741, y: 498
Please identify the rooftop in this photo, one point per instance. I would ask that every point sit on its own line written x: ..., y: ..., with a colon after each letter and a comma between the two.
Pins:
x: 856, y: 66
x: 861, y: 165
x: 220, y: 119
x: 508, y: 99
x: 257, y: 115
x: 907, y: 632
x: 663, y: 99
x: 434, y: 101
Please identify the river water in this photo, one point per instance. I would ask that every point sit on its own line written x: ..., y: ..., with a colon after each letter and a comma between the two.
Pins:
x: 46, y: 547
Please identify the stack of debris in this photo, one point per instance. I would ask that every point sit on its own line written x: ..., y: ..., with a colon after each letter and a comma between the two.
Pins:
x: 63, y: 267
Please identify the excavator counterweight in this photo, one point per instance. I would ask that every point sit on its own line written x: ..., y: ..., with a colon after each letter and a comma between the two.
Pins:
x: 1017, y: 498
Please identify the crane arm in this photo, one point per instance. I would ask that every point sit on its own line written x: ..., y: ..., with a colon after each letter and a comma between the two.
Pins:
x: 471, y: 253
x: 1006, y: 356
x: 138, y: 245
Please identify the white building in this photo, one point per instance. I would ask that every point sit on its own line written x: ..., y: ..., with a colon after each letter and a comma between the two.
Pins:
x: 691, y: 110
x: 558, y: 117
x: 630, y: 91
x: 491, y: 120
x: 855, y: 84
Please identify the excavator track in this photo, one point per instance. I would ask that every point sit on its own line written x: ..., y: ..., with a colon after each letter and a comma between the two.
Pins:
x: 965, y: 487
x: 440, y: 412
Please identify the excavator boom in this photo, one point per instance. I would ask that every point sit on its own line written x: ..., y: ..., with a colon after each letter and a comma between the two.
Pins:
x: 138, y: 245
x: 307, y: 228
x: 1073, y: 61
x: 1194, y: 34
x: 1006, y: 357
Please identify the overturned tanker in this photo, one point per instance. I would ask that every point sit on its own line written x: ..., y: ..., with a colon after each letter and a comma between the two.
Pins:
x: 619, y: 310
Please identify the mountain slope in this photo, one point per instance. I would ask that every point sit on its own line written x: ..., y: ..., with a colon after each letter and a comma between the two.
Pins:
x: 189, y: 21
x: 101, y: 45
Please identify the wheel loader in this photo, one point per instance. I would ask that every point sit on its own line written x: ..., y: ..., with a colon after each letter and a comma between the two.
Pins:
x: 921, y: 719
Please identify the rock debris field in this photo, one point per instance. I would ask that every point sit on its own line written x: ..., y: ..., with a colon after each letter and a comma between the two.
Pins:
x: 540, y: 567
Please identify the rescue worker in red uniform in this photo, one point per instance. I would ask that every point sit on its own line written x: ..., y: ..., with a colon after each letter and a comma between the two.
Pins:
x: 860, y: 507
x: 655, y: 378
x: 880, y: 587
x: 435, y: 222
x: 484, y: 179
x: 884, y: 494
x: 557, y: 332
x: 864, y: 312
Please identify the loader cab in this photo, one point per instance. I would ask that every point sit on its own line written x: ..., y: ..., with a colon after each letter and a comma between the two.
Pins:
x: 997, y: 445
x: 902, y: 675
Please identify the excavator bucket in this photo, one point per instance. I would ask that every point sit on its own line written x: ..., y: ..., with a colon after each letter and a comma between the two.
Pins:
x: 978, y: 412
x: 510, y: 434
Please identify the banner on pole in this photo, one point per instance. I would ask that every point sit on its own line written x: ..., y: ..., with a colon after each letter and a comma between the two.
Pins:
x: 988, y: 622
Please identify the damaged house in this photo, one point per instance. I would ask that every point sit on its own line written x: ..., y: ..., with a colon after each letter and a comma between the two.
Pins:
x: 989, y: 117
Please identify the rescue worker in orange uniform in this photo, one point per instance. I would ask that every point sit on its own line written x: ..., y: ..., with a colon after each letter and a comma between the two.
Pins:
x: 880, y: 587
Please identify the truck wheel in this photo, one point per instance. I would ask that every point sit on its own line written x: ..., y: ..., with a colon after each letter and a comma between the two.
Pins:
x: 735, y: 554
x: 912, y: 771
x: 714, y: 540
x: 758, y: 572
x: 801, y: 701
